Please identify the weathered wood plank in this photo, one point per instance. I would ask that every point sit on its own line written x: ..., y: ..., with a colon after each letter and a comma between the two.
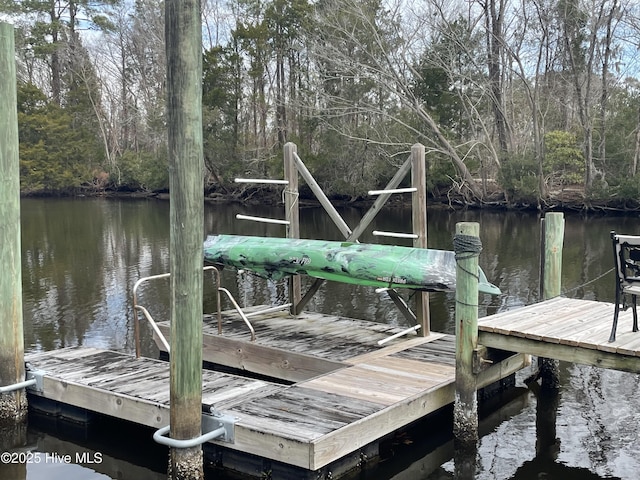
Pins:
x: 255, y: 436
x: 441, y: 351
x: 569, y: 331
x: 628, y: 343
x: 357, y: 434
x: 384, y: 380
x: 503, y: 369
x: 589, y: 335
x: 566, y: 322
x: 295, y: 349
x: 382, y: 352
x: 307, y: 425
x: 255, y: 357
x: 571, y: 322
x: 598, y: 358
x: 509, y: 317
x: 305, y: 413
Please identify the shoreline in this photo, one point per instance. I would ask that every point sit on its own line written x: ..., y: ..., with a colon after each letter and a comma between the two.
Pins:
x: 266, y: 196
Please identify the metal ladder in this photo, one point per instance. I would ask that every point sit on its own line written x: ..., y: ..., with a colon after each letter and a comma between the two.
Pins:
x: 219, y: 290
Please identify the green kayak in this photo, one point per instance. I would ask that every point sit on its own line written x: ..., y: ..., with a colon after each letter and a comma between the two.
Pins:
x: 372, y: 265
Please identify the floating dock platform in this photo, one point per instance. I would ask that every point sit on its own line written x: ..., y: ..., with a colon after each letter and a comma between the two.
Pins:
x: 320, y: 393
x: 335, y: 392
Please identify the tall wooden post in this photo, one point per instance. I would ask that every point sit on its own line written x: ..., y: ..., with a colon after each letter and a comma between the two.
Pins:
x: 186, y: 166
x: 419, y: 221
x: 551, y: 277
x: 292, y: 215
x: 467, y: 247
x: 13, y: 405
x: 552, y: 266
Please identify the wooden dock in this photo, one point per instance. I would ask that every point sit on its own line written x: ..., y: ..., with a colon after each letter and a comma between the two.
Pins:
x: 347, y: 392
x: 294, y: 349
x: 566, y: 329
x: 335, y: 392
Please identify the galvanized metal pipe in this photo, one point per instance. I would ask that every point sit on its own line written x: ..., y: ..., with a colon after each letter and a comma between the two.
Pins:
x: 379, y: 233
x: 154, y: 326
x: 18, y: 386
x: 239, y: 216
x: 159, y: 437
x: 393, y: 190
x: 261, y: 180
x: 239, y: 310
x: 415, y: 328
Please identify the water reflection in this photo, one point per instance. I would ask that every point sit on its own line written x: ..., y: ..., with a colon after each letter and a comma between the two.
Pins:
x: 104, y: 449
x: 82, y: 257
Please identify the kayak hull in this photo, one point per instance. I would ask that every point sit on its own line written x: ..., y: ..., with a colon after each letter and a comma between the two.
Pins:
x: 371, y: 265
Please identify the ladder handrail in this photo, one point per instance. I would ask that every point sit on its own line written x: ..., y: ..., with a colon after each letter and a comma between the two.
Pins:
x: 155, y: 328
x: 217, y: 279
x: 239, y: 310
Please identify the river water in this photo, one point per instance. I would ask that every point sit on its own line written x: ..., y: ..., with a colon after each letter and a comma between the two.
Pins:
x: 81, y: 258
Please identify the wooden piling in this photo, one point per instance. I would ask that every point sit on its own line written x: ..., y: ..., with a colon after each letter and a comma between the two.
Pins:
x: 419, y: 221
x: 292, y: 215
x: 13, y: 405
x: 184, y: 114
x: 552, y: 267
x: 467, y: 247
x: 551, y: 277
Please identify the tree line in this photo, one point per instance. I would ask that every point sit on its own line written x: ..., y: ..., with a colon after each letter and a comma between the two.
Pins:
x: 523, y: 102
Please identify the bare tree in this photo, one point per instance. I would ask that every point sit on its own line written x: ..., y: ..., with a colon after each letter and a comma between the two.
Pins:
x: 587, y: 35
x: 360, y: 49
x: 494, y: 19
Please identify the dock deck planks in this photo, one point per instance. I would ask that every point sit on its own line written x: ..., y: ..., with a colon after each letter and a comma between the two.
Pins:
x: 346, y: 391
x: 295, y: 348
x: 369, y: 391
x: 567, y: 329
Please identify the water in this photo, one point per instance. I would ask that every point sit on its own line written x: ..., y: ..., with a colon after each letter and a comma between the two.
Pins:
x: 81, y: 258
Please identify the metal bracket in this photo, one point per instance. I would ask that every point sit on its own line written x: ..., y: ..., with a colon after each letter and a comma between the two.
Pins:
x: 220, y: 420
x: 480, y: 360
x: 38, y: 376
x: 216, y: 426
x: 33, y: 381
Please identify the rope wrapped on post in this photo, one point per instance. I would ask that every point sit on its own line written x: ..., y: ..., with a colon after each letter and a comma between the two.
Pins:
x: 467, y: 246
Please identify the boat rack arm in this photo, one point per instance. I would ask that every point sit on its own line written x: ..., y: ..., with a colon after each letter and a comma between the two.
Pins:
x: 269, y: 310
x: 415, y: 328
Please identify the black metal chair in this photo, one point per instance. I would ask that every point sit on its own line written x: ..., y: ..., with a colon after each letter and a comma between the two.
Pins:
x: 626, y: 252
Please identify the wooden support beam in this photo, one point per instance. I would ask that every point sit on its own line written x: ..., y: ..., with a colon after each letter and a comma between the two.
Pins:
x: 566, y: 353
x: 551, y: 276
x: 301, y: 168
x: 315, y: 286
x: 465, y: 413
x: 186, y: 164
x: 292, y: 215
x: 322, y: 198
x: 404, y: 309
x: 552, y: 261
x: 416, y: 164
x: 13, y: 405
x: 380, y: 201
x: 419, y: 221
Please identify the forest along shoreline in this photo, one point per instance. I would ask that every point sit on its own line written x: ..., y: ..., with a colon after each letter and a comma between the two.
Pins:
x: 569, y: 199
